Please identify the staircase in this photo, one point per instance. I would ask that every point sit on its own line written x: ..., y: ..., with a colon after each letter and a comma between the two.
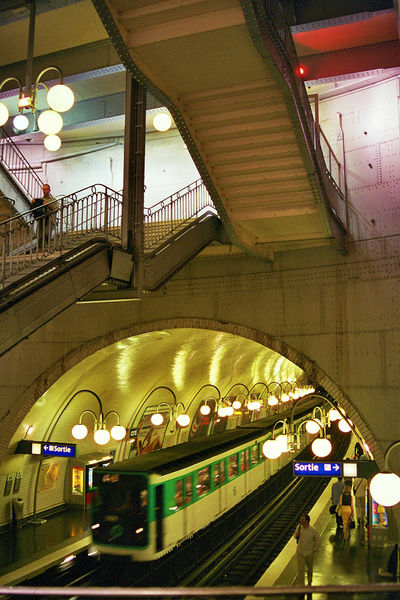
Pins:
x: 227, y: 73
x: 43, y: 274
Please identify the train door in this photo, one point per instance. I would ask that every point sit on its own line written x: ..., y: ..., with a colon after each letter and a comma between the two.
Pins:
x: 159, y: 518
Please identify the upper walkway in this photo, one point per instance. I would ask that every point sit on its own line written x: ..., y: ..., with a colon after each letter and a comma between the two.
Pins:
x: 227, y: 73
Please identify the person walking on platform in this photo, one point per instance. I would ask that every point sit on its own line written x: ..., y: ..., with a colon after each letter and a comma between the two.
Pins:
x: 308, y: 542
x: 359, y: 494
x: 336, y: 492
x: 346, y: 508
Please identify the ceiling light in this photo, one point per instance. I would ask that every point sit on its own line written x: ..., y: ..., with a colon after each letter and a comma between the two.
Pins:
x: 162, y: 122
x: 52, y: 142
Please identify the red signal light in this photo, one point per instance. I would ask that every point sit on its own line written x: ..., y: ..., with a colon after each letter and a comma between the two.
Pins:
x: 300, y: 71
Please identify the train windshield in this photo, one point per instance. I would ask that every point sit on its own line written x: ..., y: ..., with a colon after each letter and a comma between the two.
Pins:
x: 121, y: 510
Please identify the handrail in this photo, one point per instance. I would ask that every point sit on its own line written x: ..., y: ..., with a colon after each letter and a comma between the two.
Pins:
x: 164, y: 218
x: 331, y: 591
x: 19, y: 167
x: 24, y: 239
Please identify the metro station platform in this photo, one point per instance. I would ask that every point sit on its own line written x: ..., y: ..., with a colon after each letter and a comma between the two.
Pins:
x: 336, y: 562
x: 31, y: 549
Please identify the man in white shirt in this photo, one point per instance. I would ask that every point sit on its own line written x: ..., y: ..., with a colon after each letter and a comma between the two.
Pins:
x: 308, y: 542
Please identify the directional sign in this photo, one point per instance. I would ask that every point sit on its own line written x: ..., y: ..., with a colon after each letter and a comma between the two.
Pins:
x: 46, y: 448
x: 52, y: 449
x: 317, y: 469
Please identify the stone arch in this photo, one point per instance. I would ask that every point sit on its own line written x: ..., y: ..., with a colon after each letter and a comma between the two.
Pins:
x: 313, y: 372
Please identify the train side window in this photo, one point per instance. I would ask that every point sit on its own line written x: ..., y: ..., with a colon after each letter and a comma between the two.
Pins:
x: 242, y: 467
x: 233, y: 466
x: 178, y: 496
x: 244, y: 460
x: 217, y: 477
x: 188, y: 489
x: 255, y: 455
x: 222, y: 472
x: 203, y: 481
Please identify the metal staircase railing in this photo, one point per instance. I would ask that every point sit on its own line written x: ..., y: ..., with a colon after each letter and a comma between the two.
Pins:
x: 276, y: 36
x: 26, y: 240
x: 165, y: 217
x: 18, y: 166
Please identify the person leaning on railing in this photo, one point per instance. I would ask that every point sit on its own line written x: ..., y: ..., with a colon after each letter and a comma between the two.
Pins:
x: 43, y: 214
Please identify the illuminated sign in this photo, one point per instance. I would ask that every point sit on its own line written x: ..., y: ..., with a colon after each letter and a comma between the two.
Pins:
x: 317, y: 469
x: 52, y: 449
x: 46, y: 448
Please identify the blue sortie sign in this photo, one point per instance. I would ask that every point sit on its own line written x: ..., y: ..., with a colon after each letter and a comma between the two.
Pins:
x: 58, y: 449
x: 307, y: 469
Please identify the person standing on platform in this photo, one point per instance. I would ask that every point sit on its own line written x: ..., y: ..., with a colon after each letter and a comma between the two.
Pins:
x: 360, y: 500
x: 346, y: 507
x: 336, y: 492
x: 308, y: 542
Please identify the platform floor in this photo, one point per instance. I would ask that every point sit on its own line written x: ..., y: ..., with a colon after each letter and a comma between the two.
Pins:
x: 31, y: 549
x: 28, y: 551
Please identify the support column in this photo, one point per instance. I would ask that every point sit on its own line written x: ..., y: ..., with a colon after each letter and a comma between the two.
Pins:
x: 133, y: 195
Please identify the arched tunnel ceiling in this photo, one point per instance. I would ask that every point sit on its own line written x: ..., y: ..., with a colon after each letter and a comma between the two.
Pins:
x: 123, y: 375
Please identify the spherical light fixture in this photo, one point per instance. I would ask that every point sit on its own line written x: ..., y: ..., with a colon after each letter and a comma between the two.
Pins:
x: 79, y: 431
x: 271, y: 449
x: 385, y: 488
x: 345, y: 425
x: 118, y: 432
x: 321, y: 447
x: 102, y: 437
x: 60, y: 97
x: 183, y: 420
x: 334, y: 415
x: 49, y: 122
x: 313, y: 426
x: 222, y: 411
x: 162, y: 122
x: 272, y: 401
x: 236, y: 405
x: 285, y: 397
x: 52, y: 142
x: 282, y: 440
x: 205, y: 409
x: 4, y: 114
x: 20, y: 122
x: 229, y: 411
x: 157, y: 419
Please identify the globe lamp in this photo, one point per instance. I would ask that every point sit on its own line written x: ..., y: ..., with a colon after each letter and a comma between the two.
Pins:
x: 101, y: 437
x: 60, y: 97
x: 118, y: 432
x: 20, y: 122
x: 52, y: 142
x: 321, y: 447
x: 205, y: 409
x: 183, y: 420
x: 4, y: 114
x: 162, y: 122
x: 157, y: 419
x: 79, y: 431
x: 49, y: 122
x: 313, y: 426
x: 271, y: 449
x: 385, y: 488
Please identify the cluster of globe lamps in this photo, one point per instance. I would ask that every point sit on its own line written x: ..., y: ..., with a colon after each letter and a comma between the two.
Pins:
x: 60, y: 98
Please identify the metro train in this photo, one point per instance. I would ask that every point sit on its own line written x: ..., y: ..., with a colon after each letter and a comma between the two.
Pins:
x: 149, y: 504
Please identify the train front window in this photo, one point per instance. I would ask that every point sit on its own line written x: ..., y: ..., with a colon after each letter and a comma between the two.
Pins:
x: 121, y: 509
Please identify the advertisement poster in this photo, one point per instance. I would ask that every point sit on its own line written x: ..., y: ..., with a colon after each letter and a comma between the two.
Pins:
x: 48, y: 476
x: 77, y: 481
x: 379, y: 515
x: 201, y: 424
x: 150, y: 438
